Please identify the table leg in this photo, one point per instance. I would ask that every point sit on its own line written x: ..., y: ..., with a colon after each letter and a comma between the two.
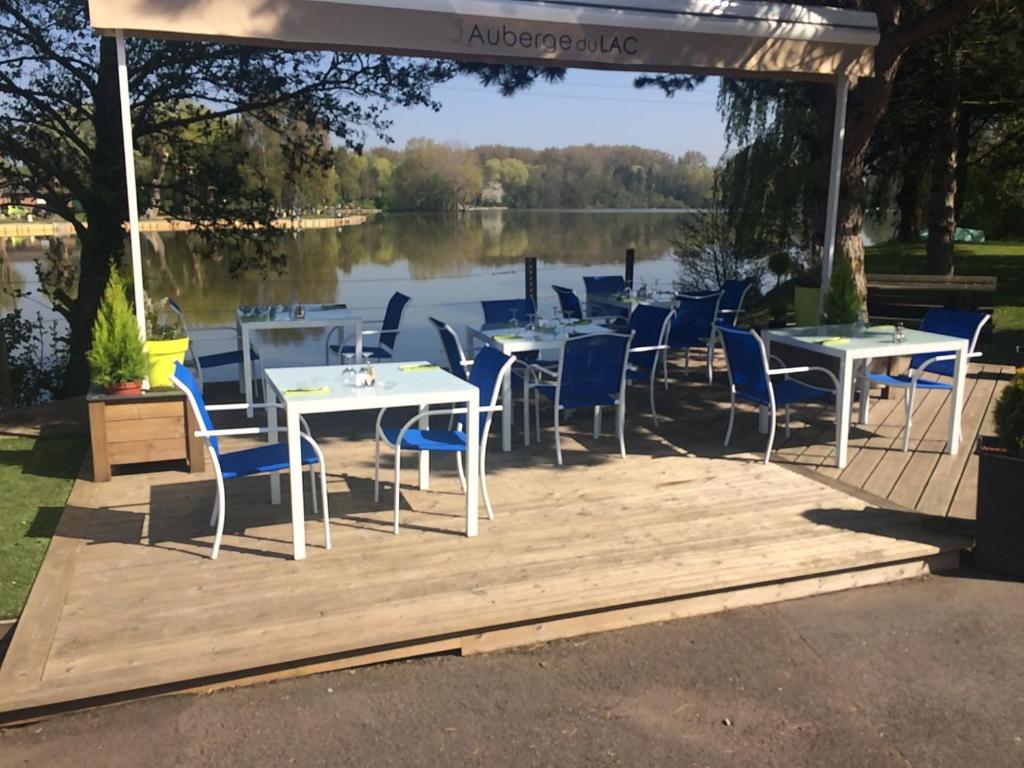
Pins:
x: 843, y: 397
x: 473, y: 462
x: 247, y: 382
x: 240, y: 335
x: 424, y: 455
x: 359, y: 338
x: 295, y: 485
x: 526, y: 407
x: 957, y: 399
x: 275, y: 477
x: 865, y: 391
x: 506, y: 414
x: 764, y: 413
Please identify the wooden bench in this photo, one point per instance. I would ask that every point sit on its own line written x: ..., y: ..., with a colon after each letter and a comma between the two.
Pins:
x: 906, y: 298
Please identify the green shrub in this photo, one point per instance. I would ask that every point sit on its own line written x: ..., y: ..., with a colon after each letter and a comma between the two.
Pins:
x: 117, y: 355
x: 842, y: 304
x: 1009, y: 415
x: 780, y: 264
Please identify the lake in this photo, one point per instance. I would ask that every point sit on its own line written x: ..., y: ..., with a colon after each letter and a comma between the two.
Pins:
x: 447, y: 264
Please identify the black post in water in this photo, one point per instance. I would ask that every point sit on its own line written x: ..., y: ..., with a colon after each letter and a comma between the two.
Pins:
x: 630, y: 262
x: 531, y: 279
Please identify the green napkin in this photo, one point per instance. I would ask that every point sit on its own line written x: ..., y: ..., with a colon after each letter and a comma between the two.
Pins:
x: 413, y: 367
x: 307, y: 391
x: 883, y: 328
x: 508, y: 337
x: 833, y: 340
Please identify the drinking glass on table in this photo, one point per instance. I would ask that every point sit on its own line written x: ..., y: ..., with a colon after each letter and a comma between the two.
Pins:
x: 513, y: 320
x: 348, y: 370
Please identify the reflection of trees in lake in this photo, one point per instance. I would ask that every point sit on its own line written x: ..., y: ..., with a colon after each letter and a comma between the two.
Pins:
x: 429, y: 246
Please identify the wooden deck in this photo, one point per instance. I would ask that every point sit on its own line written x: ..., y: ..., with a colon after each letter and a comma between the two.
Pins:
x: 128, y: 600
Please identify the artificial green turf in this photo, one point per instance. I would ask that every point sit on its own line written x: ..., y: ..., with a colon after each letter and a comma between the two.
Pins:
x: 36, y: 475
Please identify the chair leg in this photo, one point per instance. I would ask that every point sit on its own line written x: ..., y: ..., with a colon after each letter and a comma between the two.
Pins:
x: 910, y: 413
x: 732, y: 418
x: 220, y: 520
x: 526, y: 409
x: 664, y: 367
x: 312, y: 491
x: 398, y: 484
x: 483, y: 482
x: 597, y: 421
x: 654, y: 411
x: 787, y: 421
x: 620, y: 426
x: 536, y: 415
x: 376, y: 467
x: 558, y: 439
x: 711, y: 362
x: 686, y: 360
x: 462, y: 471
x: 323, y: 499
x: 216, y: 510
x: 771, y: 439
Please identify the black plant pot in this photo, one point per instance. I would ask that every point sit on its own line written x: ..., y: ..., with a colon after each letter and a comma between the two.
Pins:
x: 999, y: 532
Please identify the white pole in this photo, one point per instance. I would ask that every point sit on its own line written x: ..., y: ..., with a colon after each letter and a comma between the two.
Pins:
x: 129, y: 172
x: 832, y: 209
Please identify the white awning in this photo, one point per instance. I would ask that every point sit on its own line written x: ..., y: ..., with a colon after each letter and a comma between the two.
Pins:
x: 736, y: 37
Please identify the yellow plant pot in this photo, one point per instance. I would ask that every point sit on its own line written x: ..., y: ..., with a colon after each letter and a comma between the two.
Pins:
x: 805, y: 305
x: 162, y: 357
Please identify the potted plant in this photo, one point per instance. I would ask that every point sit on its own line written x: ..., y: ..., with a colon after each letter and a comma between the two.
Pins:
x: 842, y: 304
x: 807, y: 295
x: 166, y: 341
x: 999, y: 528
x: 117, y: 359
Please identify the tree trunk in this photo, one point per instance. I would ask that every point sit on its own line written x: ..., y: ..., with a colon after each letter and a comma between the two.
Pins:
x: 963, y: 151
x: 106, y: 208
x: 908, y: 197
x: 942, y: 198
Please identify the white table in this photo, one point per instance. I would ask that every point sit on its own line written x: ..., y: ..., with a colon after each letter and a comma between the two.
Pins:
x: 276, y: 317
x: 394, y: 389
x: 512, y: 341
x: 622, y: 301
x: 860, y: 347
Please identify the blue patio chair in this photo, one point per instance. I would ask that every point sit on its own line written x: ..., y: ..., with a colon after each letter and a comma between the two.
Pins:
x: 387, y: 334
x: 218, y: 359
x: 693, y: 326
x: 730, y: 306
x: 500, y: 311
x: 569, y: 302
x: 458, y: 363
x: 948, y: 322
x: 488, y: 372
x: 598, y: 286
x: 263, y: 459
x: 591, y: 373
x: 751, y: 379
x: 649, y: 326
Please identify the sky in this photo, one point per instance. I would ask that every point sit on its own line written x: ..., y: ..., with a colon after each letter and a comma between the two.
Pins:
x: 588, y: 107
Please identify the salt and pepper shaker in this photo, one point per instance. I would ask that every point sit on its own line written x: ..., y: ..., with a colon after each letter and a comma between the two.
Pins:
x: 898, y: 334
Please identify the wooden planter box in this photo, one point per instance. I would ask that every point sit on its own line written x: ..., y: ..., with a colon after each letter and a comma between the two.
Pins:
x: 999, y: 529
x: 134, y: 429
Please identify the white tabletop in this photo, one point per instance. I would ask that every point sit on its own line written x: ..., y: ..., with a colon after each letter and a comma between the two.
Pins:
x: 394, y: 387
x: 510, y: 340
x: 270, y: 314
x: 873, y: 341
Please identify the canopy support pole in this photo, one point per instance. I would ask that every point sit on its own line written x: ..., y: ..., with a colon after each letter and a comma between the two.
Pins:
x: 832, y: 207
x: 129, y: 172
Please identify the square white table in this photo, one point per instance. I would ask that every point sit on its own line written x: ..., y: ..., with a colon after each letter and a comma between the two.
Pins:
x: 512, y: 341
x: 277, y: 317
x: 860, y: 347
x: 395, y: 388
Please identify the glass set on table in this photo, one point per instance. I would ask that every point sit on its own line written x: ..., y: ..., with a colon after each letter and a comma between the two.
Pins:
x: 357, y: 370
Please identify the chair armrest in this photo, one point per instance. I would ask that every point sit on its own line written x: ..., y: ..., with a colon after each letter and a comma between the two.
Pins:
x: 805, y: 369
x: 648, y: 349
x: 946, y: 358
x: 237, y: 431
x: 242, y: 406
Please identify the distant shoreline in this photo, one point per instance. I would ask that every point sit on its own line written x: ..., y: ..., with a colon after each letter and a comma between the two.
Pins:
x: 60, y: 228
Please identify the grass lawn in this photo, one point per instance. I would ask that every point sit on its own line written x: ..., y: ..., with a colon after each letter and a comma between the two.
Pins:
x: 1004, y: 259
x: 36, y: 475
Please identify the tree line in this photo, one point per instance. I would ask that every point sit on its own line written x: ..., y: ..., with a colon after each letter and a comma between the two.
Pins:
x: 432, y: 176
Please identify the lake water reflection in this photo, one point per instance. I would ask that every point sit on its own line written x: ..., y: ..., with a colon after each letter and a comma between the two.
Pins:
x: 447, y: 264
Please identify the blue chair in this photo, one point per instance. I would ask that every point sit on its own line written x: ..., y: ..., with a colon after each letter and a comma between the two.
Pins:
x: 591, y: 374
x: 948, y: 322
x: 569, y: 302
x: 387, y: 335
x: 599, y: 286
x: 501, y: 311
x: 751, y: 379
x: 649, y: 326
x: 458, y: 363
x: 730, y: 306
x: 218, y: 359
x: 272, y: 457
x: 489, y: 370
x: 693, y: 326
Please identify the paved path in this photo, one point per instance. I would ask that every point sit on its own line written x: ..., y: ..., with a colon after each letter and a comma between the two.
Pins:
x: 922, y: 673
